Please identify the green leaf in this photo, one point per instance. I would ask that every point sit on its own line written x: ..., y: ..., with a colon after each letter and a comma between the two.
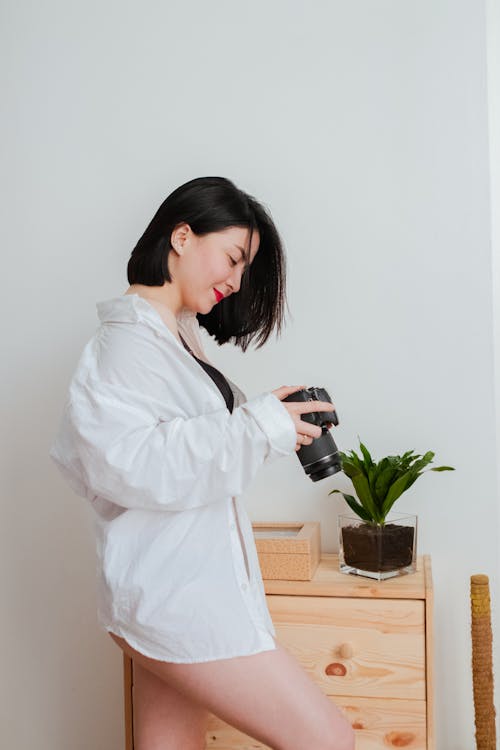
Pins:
x: 426, y: 459
x: 406, y: 461
x: 406, y: 455
x: 373, y: 472
x: 366, y: 455
x: 355, y: 459
x: 363, y: 492
x: 353, y: 504
x: 350, y: 469
x: 385, y: 480
x: 357, y: 508
x: 379, y: 485
x: 377, y: 469
x: 417, y: 475
x: 400, y: 485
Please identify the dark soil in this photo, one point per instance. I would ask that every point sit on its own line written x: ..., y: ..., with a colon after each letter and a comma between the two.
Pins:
x: 378, y: 548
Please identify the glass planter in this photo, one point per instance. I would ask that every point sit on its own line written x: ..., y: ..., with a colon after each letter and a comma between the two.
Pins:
x: 377, y: 551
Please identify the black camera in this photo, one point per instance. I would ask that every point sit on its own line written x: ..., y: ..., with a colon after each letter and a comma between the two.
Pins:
x: 321, y: 458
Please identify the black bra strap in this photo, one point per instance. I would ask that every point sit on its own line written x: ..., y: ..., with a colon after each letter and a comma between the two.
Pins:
x: 218, y: 378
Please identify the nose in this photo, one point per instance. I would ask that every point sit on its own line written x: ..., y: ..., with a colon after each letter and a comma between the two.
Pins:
x: 234, y: 280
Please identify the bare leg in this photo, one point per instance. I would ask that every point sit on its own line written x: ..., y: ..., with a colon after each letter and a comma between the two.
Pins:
x: 163, y: 717
x: 267, y: 695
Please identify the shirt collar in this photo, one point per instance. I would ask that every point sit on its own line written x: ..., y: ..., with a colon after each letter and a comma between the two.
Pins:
x: 118, y: 310
x: 129, y: 308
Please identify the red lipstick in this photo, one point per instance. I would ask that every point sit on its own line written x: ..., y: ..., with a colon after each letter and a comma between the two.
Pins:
x: 218, y: 295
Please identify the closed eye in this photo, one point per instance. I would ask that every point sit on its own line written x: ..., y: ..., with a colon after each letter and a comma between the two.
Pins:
x: 233, y: 261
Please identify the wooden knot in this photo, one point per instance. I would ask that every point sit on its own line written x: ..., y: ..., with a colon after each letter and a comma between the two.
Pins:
x: 336, y: 669
x: 345, y: 650
x: 399, y: 739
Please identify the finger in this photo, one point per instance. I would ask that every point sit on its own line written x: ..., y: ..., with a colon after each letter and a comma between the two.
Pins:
x: 304, y: 407
x: 304, y: 440
x: 311, y: 430
x: 286, y: 390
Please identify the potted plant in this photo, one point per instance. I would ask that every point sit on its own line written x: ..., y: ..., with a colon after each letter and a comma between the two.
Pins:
x: 377, y: 542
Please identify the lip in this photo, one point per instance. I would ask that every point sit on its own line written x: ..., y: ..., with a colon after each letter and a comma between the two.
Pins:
x: 218, y: 295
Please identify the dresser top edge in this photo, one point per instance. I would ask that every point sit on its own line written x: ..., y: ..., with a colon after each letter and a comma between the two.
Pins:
x: 329, y: 581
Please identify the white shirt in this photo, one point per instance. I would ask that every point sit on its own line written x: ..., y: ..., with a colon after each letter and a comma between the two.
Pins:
x: 147, y: 439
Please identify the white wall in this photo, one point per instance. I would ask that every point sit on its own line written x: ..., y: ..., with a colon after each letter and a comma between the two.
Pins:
x: 493, y: 72
x: 364, y: 128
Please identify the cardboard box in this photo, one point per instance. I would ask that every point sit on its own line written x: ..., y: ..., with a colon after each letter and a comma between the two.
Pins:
x: 288, y: 551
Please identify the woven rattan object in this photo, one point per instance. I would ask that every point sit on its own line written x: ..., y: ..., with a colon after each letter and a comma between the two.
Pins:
x: 482, y: 665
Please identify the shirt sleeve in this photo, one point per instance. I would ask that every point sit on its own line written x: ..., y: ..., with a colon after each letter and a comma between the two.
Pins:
x: 115, y: 444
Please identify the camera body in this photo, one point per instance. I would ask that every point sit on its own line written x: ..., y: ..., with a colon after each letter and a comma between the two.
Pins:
x: 320, y: 459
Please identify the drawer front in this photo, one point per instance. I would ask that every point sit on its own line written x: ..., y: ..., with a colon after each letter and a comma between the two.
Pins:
x: 378, y: 724
x: 355, y: 647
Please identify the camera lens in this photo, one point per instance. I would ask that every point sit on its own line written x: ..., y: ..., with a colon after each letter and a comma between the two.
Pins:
x: 320, y: 459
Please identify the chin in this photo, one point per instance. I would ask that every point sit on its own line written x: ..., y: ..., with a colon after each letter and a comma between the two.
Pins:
x: 211, y: 306
x: 203, y: 306
x: 197, y: 306
x: 202, y: 310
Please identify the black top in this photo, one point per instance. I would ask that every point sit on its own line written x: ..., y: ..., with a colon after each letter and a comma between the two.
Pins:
x: 218, y: 378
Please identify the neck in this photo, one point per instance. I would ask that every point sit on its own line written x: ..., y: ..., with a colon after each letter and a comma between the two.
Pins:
x: 167, y: 296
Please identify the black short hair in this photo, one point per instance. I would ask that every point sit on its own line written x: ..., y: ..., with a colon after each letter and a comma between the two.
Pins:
x: 211, y: 204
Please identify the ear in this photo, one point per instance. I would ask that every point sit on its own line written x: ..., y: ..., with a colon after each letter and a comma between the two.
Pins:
x: 179, y: 236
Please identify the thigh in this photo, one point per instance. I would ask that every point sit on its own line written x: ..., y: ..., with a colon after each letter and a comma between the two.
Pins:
x: 163, y: 717
x: 266, y: 695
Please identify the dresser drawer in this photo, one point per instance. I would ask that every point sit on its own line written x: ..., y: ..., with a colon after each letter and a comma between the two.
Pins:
x: 379, y: 724
x: 355, y: 647
x: 367, y: 644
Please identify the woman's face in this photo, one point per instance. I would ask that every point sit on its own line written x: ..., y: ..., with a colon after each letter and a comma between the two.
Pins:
x: 208, y: 268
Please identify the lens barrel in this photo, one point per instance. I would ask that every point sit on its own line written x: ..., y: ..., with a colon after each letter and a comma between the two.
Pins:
x: 320, y: 459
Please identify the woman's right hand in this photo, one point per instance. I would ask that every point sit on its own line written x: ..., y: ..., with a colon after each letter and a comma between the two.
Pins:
x: 306, y: 432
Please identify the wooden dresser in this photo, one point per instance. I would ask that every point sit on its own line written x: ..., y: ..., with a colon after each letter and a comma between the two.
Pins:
x: 367, y: 644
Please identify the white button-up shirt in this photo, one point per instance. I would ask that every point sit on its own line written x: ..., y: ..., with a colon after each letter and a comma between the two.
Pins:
x: 146, y: 437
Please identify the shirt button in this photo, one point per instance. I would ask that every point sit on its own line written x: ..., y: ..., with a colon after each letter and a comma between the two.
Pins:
x: 232, y: 526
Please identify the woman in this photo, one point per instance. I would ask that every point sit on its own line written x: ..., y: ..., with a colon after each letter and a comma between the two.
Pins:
x: 162, y: 445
